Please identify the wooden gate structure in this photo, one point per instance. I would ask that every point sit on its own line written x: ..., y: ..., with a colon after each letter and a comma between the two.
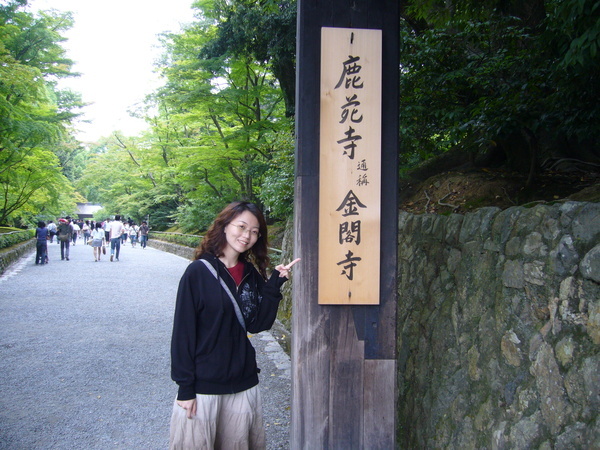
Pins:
x: 344, y: 351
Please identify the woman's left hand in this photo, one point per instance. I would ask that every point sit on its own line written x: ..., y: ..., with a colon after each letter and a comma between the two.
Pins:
x: 284, y: 271
x: 190, y: 407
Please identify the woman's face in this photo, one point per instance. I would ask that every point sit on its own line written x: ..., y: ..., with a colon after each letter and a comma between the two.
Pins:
x: 241, y: 233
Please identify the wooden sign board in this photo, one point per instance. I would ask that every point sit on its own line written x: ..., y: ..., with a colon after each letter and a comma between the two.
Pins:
x: 350, y: 166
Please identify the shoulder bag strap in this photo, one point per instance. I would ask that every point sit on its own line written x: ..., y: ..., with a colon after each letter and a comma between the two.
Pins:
x: 238, y: 311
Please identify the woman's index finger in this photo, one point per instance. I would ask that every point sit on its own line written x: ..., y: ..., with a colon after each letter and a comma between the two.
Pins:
x: 289, y: 266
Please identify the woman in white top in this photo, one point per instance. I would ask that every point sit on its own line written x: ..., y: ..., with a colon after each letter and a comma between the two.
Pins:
x: 98, y: 241
x: 125, y: 232
x: 133, y: 234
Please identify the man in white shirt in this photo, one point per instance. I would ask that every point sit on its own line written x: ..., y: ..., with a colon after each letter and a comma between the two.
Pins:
x: 116, y: 230
x: 106, y: 228
x: 75, y: 231
x: 52, y: 229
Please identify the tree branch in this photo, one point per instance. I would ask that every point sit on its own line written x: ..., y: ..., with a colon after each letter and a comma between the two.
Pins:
x: 124, y: 147
x: 441, y: 203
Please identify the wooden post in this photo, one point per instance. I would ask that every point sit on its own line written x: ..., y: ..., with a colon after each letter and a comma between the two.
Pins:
x: 343, y: 356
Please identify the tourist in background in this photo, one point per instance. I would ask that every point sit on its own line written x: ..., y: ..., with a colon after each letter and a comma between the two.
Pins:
x: 106, y: 227
x: 42, y: 235
x: 125, y: 232
x: 76, y: 230
x: 52, y: 230
x: 98, y: 241
x: 116, y: 230
x: 85, y: 228
x: 144, y: 229
x: 133, y: 233
x: 65, y: 234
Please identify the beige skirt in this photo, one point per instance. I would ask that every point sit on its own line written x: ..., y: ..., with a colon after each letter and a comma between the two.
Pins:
x: 232, y: 421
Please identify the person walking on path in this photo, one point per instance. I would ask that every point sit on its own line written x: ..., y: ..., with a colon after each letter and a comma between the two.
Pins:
x: 125, y: 232
x: 42, y: 235
x: 98, y: 241
x: 52, y: 230
x: 133, y: 234
x: 106, y: 227
x: 223, y: 295
x: 76, y: 230
x: 87, y: 231
x: 116, y: 230
x: 65, y: 234
x: 144, y: 229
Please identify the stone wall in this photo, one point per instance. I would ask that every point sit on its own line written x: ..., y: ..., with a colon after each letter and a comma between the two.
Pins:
x: 179, y: 250
x: 13, y: 254
x: 499, y: 328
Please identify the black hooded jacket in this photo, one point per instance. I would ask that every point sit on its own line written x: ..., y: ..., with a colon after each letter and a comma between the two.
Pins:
x: 210, y: 351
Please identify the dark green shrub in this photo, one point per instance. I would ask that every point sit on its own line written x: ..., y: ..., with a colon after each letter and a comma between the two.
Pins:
x: 10, y: 238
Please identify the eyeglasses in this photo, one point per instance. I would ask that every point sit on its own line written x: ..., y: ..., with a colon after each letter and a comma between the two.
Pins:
x: 243, y: 228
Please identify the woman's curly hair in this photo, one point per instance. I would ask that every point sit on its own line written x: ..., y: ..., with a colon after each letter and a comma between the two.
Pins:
x: 214, y: 240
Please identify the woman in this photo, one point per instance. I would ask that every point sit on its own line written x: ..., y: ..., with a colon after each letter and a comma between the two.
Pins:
x: 98, y: 241
x: 42, y: 235
x: 76, y: 230
x: 218, y: 404
x: 133, y: 231
x: 125, y: 232
x: 86, y: 231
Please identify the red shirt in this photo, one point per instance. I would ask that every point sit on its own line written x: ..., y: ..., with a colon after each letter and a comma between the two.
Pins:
x: 237, y: 272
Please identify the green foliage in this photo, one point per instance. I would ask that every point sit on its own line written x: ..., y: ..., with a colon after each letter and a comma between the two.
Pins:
x: 470, y: 80
x: 10, y: 237
x: 575, y: 26
x: 492, y: 74
x: 187, y: 240
x: 263, y: 30
x: 217, y: 124
x: 130, y: 177
x: 31, y: 184
x: 277, y: 192
x: 33, y: 114
x: 573, y: 35
x: 198, y: 214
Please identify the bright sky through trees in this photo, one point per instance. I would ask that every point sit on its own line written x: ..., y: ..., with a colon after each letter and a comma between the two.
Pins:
x: 114, y: 44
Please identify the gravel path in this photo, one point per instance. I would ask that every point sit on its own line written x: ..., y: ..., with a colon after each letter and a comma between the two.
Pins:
x: 84, y: 353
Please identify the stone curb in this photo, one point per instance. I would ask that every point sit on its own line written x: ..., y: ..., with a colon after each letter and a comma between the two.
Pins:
x: 14, y: 253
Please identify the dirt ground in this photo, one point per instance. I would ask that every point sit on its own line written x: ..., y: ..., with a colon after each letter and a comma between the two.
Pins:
x: 464, y: 191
